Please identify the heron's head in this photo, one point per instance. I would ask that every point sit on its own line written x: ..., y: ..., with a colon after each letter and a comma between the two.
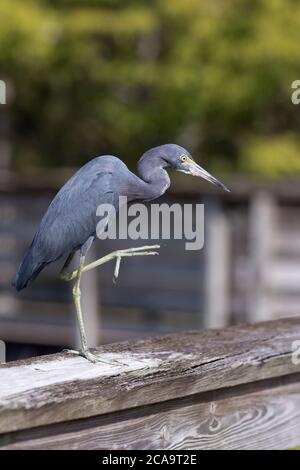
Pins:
x: 181, y: 160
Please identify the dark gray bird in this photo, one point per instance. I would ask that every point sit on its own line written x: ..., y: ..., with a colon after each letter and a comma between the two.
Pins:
x: 70, y: 221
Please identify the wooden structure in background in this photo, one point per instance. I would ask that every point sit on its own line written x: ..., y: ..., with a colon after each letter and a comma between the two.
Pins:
x: 236, y: 388
x: 249, y: 269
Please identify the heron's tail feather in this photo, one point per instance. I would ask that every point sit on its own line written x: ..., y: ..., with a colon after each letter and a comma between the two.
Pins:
x: 27, y: 272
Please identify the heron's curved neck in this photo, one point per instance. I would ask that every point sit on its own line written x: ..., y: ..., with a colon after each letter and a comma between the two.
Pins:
x: 151, y: 171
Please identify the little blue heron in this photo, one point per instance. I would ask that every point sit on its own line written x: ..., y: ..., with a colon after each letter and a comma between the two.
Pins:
x: 70, y: 222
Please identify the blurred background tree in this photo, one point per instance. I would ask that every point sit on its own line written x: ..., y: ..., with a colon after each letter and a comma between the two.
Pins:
x: 108, y: 76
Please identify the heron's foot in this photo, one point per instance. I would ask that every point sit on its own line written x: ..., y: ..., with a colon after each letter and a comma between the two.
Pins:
x: 138, y: 251
x: 92, y: 357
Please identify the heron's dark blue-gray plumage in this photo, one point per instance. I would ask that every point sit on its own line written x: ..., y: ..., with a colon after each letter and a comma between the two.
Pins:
x: 71, y: 217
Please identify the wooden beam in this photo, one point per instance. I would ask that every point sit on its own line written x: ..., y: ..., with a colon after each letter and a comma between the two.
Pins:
x: 264, y: 415
x: 242, y: 186
x: 61, y: 388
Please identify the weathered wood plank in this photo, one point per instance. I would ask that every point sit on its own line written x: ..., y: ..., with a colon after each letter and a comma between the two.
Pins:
x: 61, y: 388
x: 264, y: 415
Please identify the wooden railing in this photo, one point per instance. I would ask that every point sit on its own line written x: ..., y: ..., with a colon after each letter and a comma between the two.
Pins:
x: 236, y: 388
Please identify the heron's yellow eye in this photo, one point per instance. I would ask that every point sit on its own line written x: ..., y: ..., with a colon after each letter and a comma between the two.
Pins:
x: 183, y: 158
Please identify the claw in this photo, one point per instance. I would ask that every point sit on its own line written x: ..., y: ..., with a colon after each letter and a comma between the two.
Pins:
x: 92, y: 357
x: 71, y: 351
x: 117, y: 269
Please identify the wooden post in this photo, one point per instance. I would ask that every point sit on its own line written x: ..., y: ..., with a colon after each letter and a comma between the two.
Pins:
x: 5, y: 126
x: 261, y: 237
x: 217, y: 265
x: 8, y: 213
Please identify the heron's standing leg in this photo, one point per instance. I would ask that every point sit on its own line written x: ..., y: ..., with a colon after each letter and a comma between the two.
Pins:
x: 84, y: 351
x: 77, y: 301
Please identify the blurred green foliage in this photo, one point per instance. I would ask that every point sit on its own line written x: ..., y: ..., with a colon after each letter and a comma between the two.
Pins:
x: 115, y: 76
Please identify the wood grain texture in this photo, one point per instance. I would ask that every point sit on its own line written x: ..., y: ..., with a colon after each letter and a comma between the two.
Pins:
x: 264, y: 415
x: 61, y: 388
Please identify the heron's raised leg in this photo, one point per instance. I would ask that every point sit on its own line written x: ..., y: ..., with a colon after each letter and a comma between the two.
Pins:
x: 76, y: 275
x: 115, y: 255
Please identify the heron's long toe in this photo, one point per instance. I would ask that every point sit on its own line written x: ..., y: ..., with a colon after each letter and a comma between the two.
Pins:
x: 93, y: 358
x: 71, y: 351
x: 96, y: 359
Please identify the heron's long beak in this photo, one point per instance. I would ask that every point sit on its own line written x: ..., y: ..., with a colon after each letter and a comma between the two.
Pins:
x: 197, y: 170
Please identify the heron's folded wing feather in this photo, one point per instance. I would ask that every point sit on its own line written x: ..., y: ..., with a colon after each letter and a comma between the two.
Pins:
x: 71, y: 217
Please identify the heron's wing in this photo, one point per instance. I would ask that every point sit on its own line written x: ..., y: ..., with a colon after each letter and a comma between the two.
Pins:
x: 71, y: 217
